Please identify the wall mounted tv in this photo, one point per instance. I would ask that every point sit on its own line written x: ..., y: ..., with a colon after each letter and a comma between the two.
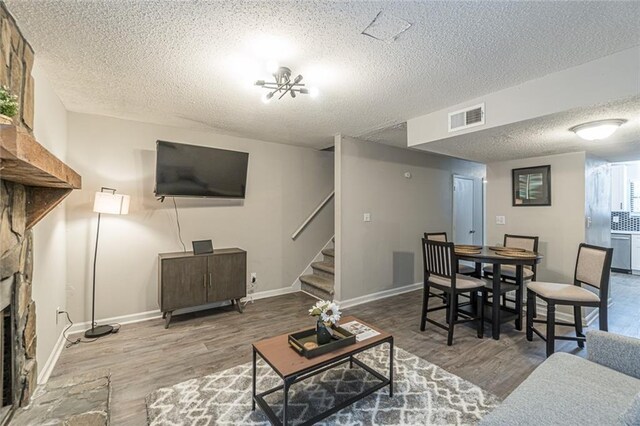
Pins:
x: 197, y: 171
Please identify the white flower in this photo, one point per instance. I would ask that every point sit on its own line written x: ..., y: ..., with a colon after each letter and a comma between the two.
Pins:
x: 320, y: 306
x: 331, y: 314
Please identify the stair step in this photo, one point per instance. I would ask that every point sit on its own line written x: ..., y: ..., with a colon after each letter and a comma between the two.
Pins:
x: 324, y: 269
x: 319, y: 283
x: 329, y: 252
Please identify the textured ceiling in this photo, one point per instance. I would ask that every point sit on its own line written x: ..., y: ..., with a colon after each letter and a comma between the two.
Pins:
x: 192, y: 62
x: 549, y: 135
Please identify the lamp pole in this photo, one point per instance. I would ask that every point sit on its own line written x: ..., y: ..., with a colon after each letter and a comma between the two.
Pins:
x: 102, y: 330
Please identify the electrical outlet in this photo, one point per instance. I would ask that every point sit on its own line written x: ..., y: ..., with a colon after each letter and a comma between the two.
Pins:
x: 366, y: 217
x: 501, y: 220
x: 254, y: 277
x: 58, y: 312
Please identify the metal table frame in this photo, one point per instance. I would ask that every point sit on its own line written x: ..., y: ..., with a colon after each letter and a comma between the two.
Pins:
x: 288, y: 381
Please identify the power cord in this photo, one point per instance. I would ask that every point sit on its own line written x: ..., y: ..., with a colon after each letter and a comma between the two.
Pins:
x: 175, y: 206
x: 80, y: 340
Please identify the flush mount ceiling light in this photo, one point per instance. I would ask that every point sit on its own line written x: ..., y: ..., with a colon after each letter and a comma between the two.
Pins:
x: 596, y: 130
x: 283, y: 85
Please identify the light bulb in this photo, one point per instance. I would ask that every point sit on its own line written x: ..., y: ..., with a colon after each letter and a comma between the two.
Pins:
x: 272, y: 66
x: 267, y: 97
x: 314, y: 92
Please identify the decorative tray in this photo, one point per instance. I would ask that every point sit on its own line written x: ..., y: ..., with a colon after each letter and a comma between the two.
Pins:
x: 502, y: 248
x: 467, y: 247
x: 467, y: 251
x: 341, y: 338
x: 521, y: 254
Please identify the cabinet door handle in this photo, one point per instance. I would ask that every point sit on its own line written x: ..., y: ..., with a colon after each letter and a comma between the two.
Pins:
x: 210, y: 279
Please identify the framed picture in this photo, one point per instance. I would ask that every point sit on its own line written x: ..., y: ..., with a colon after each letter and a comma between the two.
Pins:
x: 531, y: 186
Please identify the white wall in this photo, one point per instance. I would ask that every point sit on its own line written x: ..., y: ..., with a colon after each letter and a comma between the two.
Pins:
x: 386, y: 253
x: 49, y: 238
x: 600, y: 81
x: 285, y: 183
x: 561, y: 226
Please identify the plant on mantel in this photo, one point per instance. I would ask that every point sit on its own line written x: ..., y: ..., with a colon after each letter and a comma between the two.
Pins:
x: 8, y: 105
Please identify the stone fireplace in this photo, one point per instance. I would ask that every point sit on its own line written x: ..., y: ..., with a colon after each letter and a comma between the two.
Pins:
x: 19, y: 369
x: 32, y: 183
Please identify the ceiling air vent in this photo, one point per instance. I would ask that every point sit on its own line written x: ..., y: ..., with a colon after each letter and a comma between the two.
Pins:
x: 465, y: 118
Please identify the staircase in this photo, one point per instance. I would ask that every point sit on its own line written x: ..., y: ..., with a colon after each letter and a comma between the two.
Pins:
x: 320, y: 283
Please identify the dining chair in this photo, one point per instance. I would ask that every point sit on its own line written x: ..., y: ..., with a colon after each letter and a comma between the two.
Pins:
x: 439, y: 262
x: 593, y: 268
x: 462, y: 268
x: 442, y: 236
x: 508, y: 272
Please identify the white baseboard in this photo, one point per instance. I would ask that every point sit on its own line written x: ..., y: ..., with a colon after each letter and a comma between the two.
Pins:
x: 45, y: 373
x: 47, y: 368
x: 379, y: 295
x: 149, y: 315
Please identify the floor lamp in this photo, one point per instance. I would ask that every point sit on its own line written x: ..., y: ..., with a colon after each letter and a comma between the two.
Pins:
x: 106, y: 201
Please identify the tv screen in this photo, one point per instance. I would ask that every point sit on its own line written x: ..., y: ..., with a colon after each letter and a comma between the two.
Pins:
x: 197, y: 171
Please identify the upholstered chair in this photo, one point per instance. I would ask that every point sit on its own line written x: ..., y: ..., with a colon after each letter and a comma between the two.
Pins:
x: 593, y: 269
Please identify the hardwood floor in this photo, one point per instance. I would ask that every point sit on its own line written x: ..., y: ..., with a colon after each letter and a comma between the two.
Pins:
x: 144, y: 356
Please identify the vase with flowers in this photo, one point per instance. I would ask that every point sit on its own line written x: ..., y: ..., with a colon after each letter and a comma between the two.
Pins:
x: 8, y: 105
x: 327, y: 314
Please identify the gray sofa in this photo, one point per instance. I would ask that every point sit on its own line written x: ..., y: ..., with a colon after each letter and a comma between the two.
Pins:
x: 568, y: 390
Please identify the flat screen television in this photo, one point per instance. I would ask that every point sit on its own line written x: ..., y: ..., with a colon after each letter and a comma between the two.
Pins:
x: 197, y: 171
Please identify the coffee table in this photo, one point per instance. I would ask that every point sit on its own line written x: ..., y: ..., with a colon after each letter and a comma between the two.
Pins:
x: 292, y: 368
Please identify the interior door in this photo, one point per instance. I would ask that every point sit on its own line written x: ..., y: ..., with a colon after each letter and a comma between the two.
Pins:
x: 463, y: 210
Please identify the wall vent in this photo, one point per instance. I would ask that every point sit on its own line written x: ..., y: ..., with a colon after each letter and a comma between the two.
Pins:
x: 465, y: 118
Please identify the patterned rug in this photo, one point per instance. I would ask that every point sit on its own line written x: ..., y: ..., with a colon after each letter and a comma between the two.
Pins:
x: 424, y: 394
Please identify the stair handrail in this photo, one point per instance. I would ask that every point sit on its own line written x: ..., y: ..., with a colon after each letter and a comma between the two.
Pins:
x: 312, y: 215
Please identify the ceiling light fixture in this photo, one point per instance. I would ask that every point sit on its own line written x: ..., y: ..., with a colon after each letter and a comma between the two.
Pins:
x: 283, y: 85
x: 596, y: 130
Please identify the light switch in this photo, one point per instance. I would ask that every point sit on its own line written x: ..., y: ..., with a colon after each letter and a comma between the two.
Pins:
x: 501, y: 220
x: 367, y: 217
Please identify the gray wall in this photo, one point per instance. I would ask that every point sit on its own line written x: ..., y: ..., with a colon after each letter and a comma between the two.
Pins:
x: 386, y: 252
x: 597, y: 201
x: 285, y: 183
x: 560, y: 226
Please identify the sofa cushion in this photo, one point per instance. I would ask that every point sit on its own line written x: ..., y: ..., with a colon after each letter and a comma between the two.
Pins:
x: 566, y: 389
x: 631, y: 417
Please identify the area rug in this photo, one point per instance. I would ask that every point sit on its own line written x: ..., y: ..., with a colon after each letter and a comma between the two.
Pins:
x: 424, y: 394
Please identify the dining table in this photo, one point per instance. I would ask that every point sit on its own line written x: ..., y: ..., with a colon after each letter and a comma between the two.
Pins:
x: 498, y: 257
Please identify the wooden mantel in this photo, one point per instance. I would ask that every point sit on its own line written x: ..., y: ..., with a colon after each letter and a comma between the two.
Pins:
x: 47, y: 179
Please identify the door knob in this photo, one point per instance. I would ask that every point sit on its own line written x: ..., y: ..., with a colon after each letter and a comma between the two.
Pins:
x: 472, y: 232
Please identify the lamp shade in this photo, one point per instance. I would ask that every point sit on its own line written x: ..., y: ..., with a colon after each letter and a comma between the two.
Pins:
x: 111, y: 203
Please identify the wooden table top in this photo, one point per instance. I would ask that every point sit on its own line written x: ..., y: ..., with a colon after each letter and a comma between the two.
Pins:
x: 487, y: 255
x: 287, y: 362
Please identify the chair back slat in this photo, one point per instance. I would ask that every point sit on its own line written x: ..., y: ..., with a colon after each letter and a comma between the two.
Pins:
x: 593, y: 267
x: 439, y: 258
